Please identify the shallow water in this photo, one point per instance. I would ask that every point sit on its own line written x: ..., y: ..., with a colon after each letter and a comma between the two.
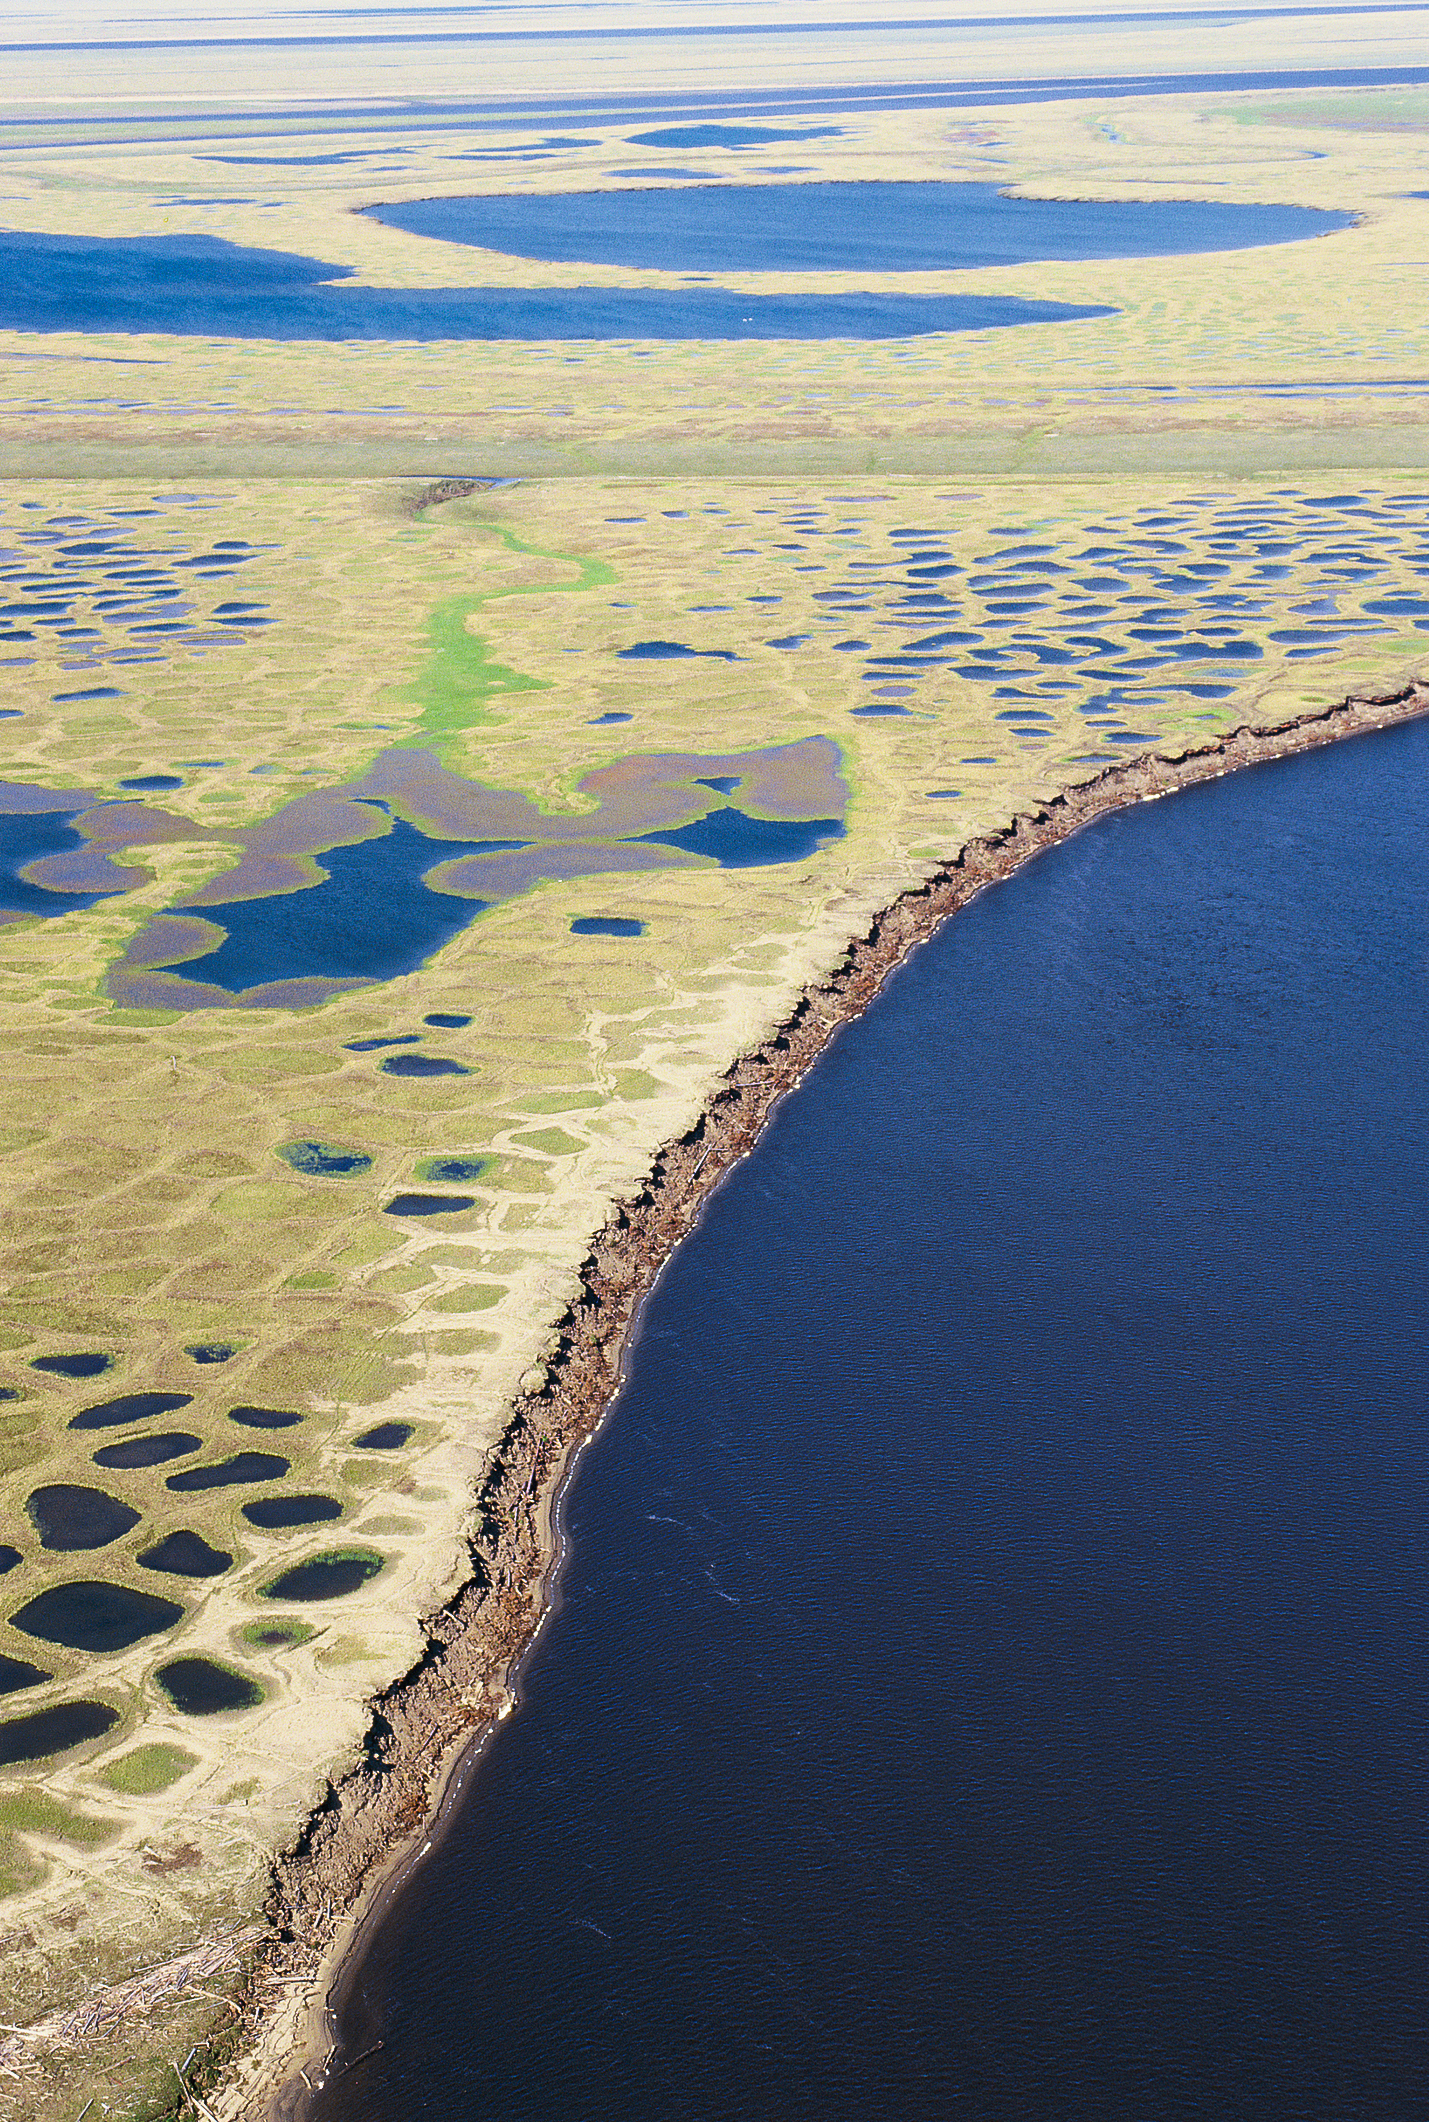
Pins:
x: 991, y: 1670
x: 200, y: 285
x: 844, y: 227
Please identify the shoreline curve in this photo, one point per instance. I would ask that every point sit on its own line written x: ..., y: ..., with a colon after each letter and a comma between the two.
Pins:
x: 429, y: 1728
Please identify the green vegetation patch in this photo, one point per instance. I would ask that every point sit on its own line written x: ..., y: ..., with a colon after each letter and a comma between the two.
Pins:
x: 551, y: 1141
x: 473, y: 1297
x: 147, y: 1769
x: 460, y: 675
x: 278, y: 1635
x: 42, y: 1814
x: 20, y: 1869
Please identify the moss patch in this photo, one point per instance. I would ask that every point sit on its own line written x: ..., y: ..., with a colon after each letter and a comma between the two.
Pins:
x: 147, y: 1769
x: 41, y: 1814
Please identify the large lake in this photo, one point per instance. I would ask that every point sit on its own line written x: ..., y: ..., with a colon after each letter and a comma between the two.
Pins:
x: 992, y: 1670
x: 870, y: 227
x: 201, y: 286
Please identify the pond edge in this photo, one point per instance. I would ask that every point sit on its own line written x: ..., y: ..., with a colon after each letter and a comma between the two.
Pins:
x: 384, y: 1815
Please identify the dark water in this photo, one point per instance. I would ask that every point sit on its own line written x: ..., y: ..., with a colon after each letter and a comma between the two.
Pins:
x: 230, y: 1473
x: 265, y: 1417
x: 16, y: 1673
x: 186, y: 1554
x: 69, y: 1518
x: 429, y: 1204
x: 93, y: 1615
x: 993, y: 1658
x: 200, y: 1687
x: 51, y: 1731
x: 277, y: 1513
x: 607, y: 925
x: 201, y: 286
x: 87, y: 1364
x: 326, y: 1576
x: 152, y: 1450
x: 371, y: 917
x: 129, y: 1407
x: 738, y: 841
x: 844, y: 227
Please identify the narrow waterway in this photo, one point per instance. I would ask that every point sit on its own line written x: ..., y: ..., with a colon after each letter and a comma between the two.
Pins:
x: 992, y: 1664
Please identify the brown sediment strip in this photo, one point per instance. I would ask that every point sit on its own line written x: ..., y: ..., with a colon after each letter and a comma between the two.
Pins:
x: 382, y: 1816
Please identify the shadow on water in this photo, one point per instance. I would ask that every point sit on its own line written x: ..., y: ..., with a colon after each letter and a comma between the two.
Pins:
x: 993, y: 1654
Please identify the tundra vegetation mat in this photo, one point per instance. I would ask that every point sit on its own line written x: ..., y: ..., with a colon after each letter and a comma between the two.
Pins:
x: 425, y: 771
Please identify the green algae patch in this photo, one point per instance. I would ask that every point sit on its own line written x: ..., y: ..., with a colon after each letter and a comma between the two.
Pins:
x: 40, y: 1814
x: 146, y: 1770
x: 452, y: 1171
x: 315, y: 1278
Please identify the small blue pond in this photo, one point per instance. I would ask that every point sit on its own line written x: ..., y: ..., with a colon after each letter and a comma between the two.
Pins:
x: 872, y: 227
x: 199, y: 286
x: 607, y: 925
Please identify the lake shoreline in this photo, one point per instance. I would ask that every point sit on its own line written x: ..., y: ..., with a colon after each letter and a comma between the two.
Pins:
x: 429, y: 1728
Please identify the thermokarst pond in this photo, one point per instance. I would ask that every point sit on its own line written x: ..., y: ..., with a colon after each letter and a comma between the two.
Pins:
x: 848, y: 227
x: 200, y: 285
x: 91, y: 1615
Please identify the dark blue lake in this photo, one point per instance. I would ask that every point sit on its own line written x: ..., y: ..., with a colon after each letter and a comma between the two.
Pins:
x: 201, y: 286
x: 873, y: 227
x: 992, y: 1670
